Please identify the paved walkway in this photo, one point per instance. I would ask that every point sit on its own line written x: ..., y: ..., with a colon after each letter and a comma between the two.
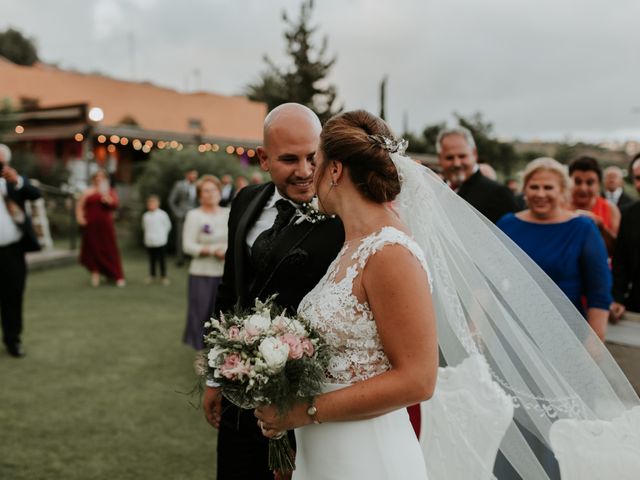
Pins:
x: 51, y: 258
x: 623, y: 341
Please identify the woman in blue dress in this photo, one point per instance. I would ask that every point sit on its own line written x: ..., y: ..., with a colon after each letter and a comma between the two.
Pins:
x: 567, y: 246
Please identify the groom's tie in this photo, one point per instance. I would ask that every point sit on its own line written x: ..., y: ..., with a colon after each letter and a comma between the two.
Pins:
x: 263, y: 245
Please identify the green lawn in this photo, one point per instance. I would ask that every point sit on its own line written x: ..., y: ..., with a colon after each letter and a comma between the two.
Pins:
x: 100, y: 394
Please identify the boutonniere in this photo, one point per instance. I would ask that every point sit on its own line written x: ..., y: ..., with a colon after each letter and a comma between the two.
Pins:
x: 308, y: 212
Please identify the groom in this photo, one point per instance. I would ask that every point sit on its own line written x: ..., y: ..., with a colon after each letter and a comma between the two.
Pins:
x: 269, y: 252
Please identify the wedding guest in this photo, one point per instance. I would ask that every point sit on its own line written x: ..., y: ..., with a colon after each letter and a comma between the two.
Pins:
x: 613, y: 191
x: 458, y: 158
x: 228, y: 190
x: 16, y: 238
x: 634, y: 171
x: 156, y: 226
x: 513, y: 185
x: 94, y: 213
x: 182, y: 198
x: 586, y: 177
x: 626, y: 256
x: 488, y: 171
x: 567, y: 246
x: 626, y: 264
x: 240, y: 183
x: 204, y: 238
x: 256, y: 179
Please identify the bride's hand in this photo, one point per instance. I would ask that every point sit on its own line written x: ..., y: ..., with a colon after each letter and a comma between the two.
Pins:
x: 272, y: 424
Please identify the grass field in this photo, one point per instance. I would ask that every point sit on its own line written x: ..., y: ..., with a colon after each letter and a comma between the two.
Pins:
x: 100, y: 394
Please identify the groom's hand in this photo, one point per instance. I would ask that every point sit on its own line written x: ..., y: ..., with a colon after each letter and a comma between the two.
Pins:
x: 212, y: 405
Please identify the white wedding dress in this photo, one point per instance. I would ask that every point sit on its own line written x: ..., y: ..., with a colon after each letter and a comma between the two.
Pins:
x: 382, y: 448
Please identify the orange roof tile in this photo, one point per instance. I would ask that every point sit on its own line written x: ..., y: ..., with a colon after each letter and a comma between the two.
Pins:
x: 152, y: 107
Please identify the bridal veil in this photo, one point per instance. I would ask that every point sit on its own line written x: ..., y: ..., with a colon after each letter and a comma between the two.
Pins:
x: 493, y: 301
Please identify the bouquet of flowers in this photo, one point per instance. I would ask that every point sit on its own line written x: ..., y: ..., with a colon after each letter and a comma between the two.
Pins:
x: 265, y: 356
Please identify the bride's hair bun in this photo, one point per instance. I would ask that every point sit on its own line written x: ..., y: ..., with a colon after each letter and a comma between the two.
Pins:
x: 353, y: 138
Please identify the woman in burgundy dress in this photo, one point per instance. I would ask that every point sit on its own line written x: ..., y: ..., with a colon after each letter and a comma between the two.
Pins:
x: 94, y: 213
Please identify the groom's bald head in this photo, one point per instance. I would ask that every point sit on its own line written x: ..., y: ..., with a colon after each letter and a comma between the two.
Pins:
x: 291, y: 137
x: 290, y: 116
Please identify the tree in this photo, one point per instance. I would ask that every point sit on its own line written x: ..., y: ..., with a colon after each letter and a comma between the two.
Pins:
x: 383, y: 95
x: 430, y: 135
x: 6, y: 119
x: 305, y: 80
x: 416, y: 142
x: 18, y: 48
x: 425, y: 143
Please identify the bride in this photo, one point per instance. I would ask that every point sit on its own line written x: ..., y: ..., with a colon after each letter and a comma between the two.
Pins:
x: 415, y: 257
x: 374, y: 308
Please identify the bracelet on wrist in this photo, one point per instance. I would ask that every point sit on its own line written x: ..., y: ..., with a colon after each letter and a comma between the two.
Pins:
x: 312, y: 410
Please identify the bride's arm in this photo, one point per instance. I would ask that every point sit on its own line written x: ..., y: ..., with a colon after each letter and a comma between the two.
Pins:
x: 397, y: 289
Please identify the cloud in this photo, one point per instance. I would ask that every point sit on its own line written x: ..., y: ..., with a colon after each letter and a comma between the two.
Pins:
x: 553, y: 66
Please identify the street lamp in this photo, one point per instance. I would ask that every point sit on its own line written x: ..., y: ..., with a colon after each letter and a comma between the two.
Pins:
x: 95, y: 116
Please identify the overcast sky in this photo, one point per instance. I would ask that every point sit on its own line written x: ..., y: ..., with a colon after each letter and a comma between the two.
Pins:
x: 549, y: 69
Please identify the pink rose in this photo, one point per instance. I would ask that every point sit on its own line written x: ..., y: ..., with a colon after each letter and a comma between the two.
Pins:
x: 279, y: 324
x: 295, y: 346
x: 234, y: 333
x: 307, y: 347
x: 233, y: 367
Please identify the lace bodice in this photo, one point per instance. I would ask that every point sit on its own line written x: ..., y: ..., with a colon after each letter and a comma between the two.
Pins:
x: 346, y: 323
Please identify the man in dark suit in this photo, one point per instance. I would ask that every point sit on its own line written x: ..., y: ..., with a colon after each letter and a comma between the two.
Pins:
x: 459, y: 162
x: 16, y: 238
x: 228, y: 190
x: 270, y: 252
x: 182, y: 198
x: 613, y: 183
x: 626, y: 255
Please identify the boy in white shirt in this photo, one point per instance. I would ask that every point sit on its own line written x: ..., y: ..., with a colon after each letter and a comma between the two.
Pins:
x: 156, y: 226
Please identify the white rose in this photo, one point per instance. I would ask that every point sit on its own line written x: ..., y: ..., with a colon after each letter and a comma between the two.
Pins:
x: 274, y: 352
x: 297, y: 328
x: 257, y: 324
x: 213, y: 354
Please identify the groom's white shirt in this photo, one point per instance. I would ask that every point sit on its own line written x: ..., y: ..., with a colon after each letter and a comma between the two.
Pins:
x: 266, y: 219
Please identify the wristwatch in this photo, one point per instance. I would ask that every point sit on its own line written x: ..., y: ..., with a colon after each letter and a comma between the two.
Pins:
x: 312, y: 411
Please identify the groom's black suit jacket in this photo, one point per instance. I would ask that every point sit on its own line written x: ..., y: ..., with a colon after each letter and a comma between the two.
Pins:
x: 300, y: 258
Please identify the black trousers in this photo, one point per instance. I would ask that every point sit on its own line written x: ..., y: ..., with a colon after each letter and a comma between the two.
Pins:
x: 156, y: 258
x: 243, y: 452
x: 13, y: 275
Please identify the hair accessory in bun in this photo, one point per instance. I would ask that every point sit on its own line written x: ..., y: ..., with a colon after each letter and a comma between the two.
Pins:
x: 391, y: 145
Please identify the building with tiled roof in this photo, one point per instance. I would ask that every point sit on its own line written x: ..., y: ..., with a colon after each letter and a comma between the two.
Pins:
x: 51, y: 111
